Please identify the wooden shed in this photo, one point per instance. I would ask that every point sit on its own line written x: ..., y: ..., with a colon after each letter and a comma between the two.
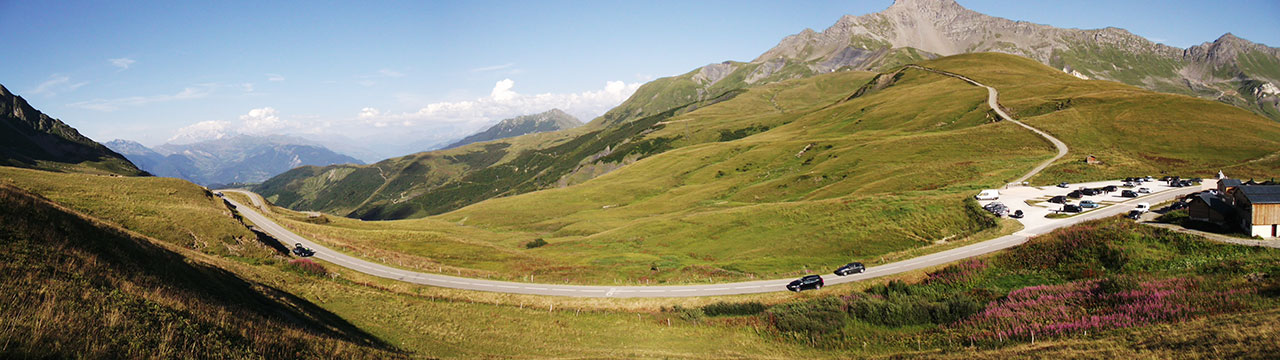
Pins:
x: 1210, y: 208
x: 1259, y: 209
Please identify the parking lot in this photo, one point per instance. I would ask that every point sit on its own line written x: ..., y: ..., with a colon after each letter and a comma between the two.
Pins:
x: 1036, y: 208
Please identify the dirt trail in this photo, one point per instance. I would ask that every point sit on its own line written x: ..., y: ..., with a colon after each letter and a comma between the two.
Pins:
x: 993, y: 100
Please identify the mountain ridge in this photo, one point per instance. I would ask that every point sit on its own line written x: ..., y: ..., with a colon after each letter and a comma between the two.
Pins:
x: 1228, y: 69
x: 234, y: 159
x: 33, y: 139
x: 550, y: 120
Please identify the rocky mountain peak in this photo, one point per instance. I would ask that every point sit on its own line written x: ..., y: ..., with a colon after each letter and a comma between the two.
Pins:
x: 915, y: 5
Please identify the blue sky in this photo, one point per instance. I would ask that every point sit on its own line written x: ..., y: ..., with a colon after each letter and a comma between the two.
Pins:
x: 144, y: 70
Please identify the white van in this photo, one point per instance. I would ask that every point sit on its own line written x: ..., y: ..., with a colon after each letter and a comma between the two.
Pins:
x: 1143, y: 207
x: 988, y: 194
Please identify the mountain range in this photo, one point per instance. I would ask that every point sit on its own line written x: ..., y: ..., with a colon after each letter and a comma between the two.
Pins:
x: 550, y: 120
x: 31, y: 139
x: 909, y: 31
x: 1229, y: 69
x: 235, y: 159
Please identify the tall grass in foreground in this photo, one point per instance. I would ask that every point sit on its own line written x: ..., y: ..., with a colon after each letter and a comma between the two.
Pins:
x: 75, y: 287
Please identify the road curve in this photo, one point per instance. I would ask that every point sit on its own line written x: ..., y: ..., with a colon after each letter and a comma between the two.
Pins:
x: 993, y: 97
x: 749, y: 287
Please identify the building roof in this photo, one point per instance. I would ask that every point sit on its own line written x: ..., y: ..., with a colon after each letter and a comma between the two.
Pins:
x: 1215, y: 203
x: 1261, y: 194
x: 1229, y: 182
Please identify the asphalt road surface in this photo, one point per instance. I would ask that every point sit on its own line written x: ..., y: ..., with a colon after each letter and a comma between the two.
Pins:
x: 750, y: 287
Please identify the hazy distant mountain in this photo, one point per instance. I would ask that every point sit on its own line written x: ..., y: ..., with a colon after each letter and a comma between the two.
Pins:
x: 29, y: 138
x: 1229, y: 69
x: 236, y: 159
x: 551, y: 120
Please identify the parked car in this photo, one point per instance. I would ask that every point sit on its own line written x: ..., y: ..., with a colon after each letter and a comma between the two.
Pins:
x: 1134, y: 214
x: 1185, y: 183
x: 808, y: 282
x: 1130, y: 184
x: 1063, y: 185
x: 1143, y: 190
x: 1088, y: 204
x: 1129, y: 179
x: 988, y: 194
x: 1109, y: 188
x: 1075, y: 194
x: 1128, y: 194
x: 1058, y: 199
x: 301, y: 251
x: 1071, y: 208
x: 1016, y: 214
x: 1177, y: 205
x: 1166, y: 178
x: 1148, y: 178
x: 996, y: 208
x: 851, y: 268
x: 1090, y: 192
x: 1142, y: 207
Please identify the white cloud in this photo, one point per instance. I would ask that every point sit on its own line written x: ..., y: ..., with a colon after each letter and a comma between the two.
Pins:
x: 122, y: 63
x: 369, y: 113
x: 201, y: 131
x: 262, y: 121
x: 275, y: 77
x: 502, y: 90
x: 56, y: 84
x: 248, y: 87
x: 391, y: 73
x: 493, y: 68
x: 503, y: 102
x: 107, y: 105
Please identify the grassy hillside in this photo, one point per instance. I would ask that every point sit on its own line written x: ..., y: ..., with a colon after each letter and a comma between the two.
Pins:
x: 799, y: 175
x: 77, y: 287
x: 1104, y: 287
x: 434, y: 182
x: 1132, y: 131
x: 171, y: 210
x: 88, y: 288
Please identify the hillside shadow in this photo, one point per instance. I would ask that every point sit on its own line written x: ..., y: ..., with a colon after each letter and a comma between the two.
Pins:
x: 140, y: 261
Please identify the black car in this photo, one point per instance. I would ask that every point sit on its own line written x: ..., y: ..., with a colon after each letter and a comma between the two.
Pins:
x: 1090, y: 192
x: 1062, y: 185
x: 851, y: 268
x: 301, y: 251
x: 1134, y: 214
x: 1058, y: 199
x: 1166, y: 178
x: 1075, y: 194
x: 1071, y: 208
x: 1128, y: 193
x: 996, y: 208
x: 1110, y: 188
x: 1016, y: 214
x: 805, y: 283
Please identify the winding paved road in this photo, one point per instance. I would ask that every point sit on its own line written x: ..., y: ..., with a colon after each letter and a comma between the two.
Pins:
x: 750, y: 287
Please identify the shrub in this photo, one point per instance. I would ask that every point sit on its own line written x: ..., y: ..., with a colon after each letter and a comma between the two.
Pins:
x: 688, y: 314
x: 1048, y: 310
x: 535, y: 243
x: 306, y: 267
x: 821, y: 316
x: 733, y: 309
